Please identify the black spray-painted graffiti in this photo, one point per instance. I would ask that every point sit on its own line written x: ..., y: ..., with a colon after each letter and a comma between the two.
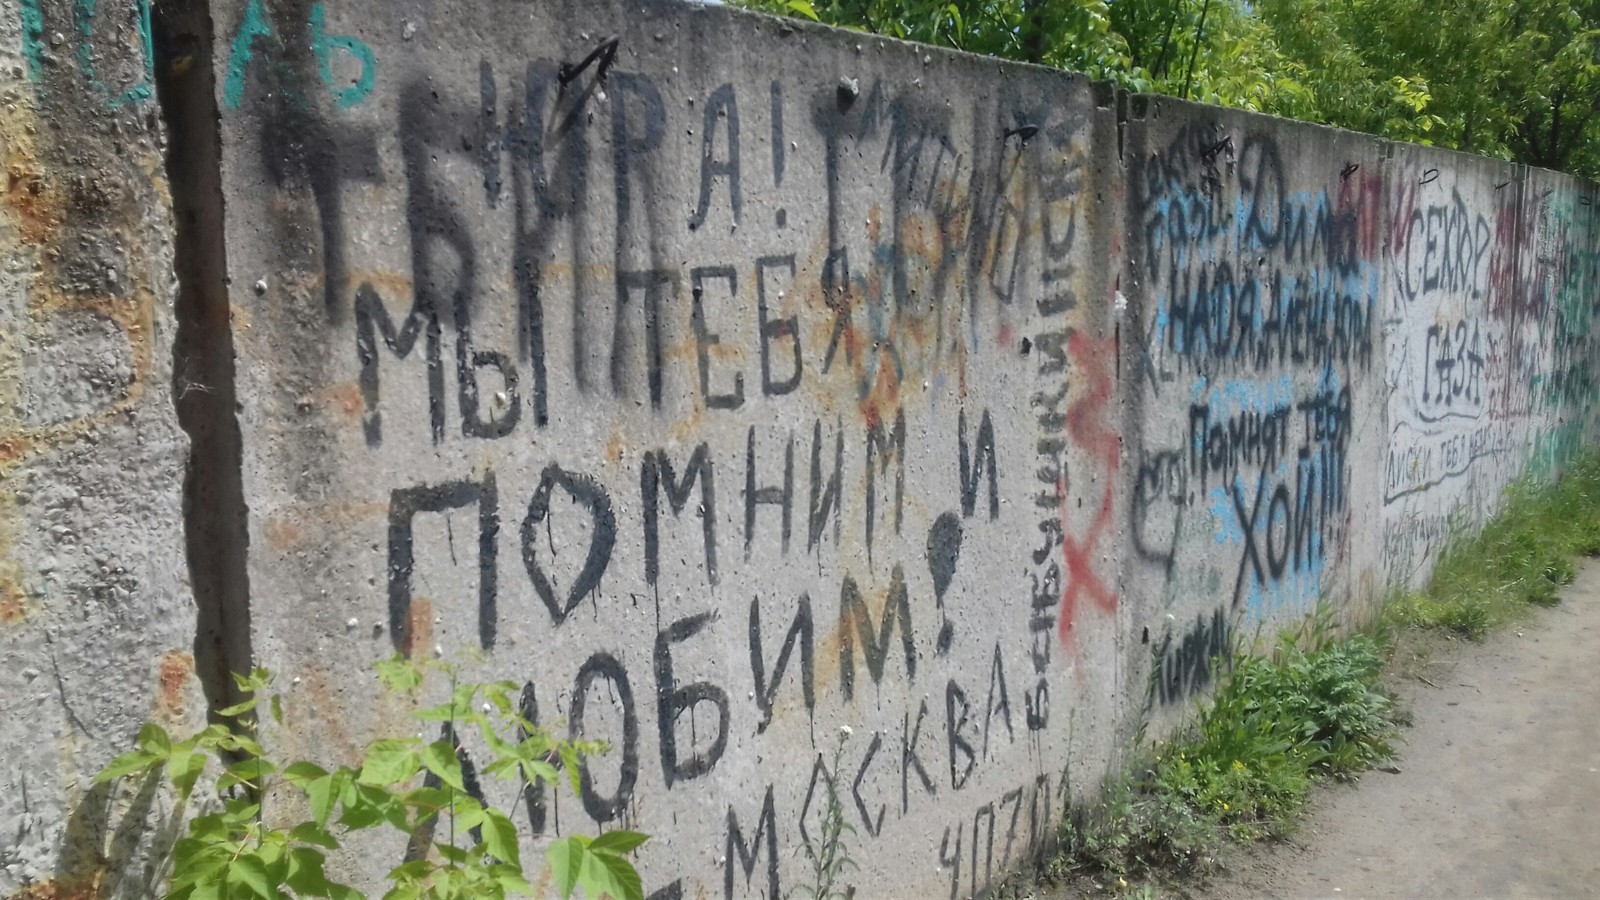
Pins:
x: 1183, y: 665
x: 1262, y: 297
x: 567, y: 169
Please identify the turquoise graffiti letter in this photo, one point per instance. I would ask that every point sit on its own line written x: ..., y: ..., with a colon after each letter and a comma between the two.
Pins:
x: 33, y: 37
x: 324, y: 45
x: 254, y: 26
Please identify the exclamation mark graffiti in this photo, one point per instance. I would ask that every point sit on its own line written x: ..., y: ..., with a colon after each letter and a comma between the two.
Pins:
x: 777, y: 147
x: 944, y: 545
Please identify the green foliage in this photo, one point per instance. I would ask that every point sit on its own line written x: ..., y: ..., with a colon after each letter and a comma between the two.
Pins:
x: 1521, y: 557
x: 830, y: 858
x: 1134, y: 832
x: 1519, y: 79
x: 234, y: 850
x: 1510, y: 78
x: 1243, y: 768
x: 1068, y: 34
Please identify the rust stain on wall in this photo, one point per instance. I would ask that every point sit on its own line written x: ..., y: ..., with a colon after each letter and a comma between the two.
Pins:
x: 79, y: 888
x: 418, y: 633
x: 42, y: 212
x: 11, y: 609
x: 291, y: 528
x: 35, y: 206
x: 174, y: 671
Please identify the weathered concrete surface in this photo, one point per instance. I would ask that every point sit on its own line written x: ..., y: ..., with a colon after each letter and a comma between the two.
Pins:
x: 594, y: 358
x: 1491, y: 297
x: 1253, y: 264
x: 725, y: 381
x: 96, y: 620
x: 716, y: 389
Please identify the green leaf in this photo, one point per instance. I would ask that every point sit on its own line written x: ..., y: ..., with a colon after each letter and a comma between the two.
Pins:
x: 361, y: 808
x: 153, y: 740
x: 428, y: 799
x: 388, y: 762
x: 238, y: 709
x: 539, y: 770
x: 469, y: 812
x: 803, y: 8
x: 305, y: 875
x: 501, y: 749
x: 566, y: 862
x: 240, y: 813
x: 407, y: 891
x: 596, y: 879
x: 462, y: 697
x: 569, y: 759
x: 271, y: 851
x: 251, y: 773
x: 399, y: 674
x: 440, y: 758
x: 197, y: 861
x: 367, y: 806
x: 618, y: 842
x: 535, y: 743
x: 499, y: 696
x: 511, y: 881
x: 450, y: 854
x: 623, y: 875
x: 249, y: 873
x: 301, y: 774
x: 207, y: 829
x: 441, y: 713
x: 320, y: 794
x: 184, y: 767
x: 259, y: 679
x: 416, y: 870
x: 500, y: 838
x: 126, y: 764
x: 312, y: 833
x: 502, y: 767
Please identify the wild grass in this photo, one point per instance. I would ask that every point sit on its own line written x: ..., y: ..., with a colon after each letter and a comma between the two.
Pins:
x: 1520, y: 558
x: 1314, y: 706
x: 1276, y: 722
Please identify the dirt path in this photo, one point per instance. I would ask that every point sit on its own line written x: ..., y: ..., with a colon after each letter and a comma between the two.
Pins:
x: 1498, y: 789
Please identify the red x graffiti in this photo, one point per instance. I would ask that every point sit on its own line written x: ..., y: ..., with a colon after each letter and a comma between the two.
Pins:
x: 1088, y: 427
x: 1082, y: 579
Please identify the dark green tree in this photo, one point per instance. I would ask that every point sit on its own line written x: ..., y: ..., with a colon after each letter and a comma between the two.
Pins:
x: 1519, y: 79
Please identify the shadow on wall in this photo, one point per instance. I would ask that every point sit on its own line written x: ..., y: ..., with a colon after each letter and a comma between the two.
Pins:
x: 113, y: 849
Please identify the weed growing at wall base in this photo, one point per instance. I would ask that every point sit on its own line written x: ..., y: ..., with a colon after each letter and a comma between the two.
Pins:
x: 1311, y: 708
x: 234, y: 849
x: 830, y: 859
x: 1520, y: 558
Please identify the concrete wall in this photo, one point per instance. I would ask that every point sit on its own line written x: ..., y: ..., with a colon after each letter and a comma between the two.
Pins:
x: 721, y: 396
x: 1491, y: 302
x: 1253, y: 263
x: 745, y: 390
x: 753, y: 380
x: 96, y: 620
